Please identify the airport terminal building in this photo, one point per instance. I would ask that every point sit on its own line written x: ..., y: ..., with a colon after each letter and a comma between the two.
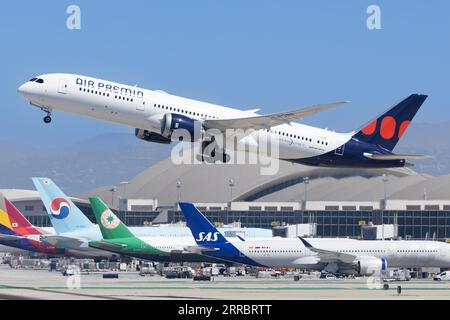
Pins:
x: 336, y: 202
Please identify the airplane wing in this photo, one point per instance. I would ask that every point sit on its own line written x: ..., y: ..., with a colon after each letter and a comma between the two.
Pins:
x: 328, y: 255
x: 62, y: 242
x: 267, y: 121
x: 306, y: 261
x: 395, y: 156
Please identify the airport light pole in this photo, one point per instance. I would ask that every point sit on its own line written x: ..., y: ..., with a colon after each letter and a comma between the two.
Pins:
x: 231, y: 184
x: 124, y: 196
x: 178, y: 185
x: 385, y: 180
x: 306, y: 182
x: 112, y: 190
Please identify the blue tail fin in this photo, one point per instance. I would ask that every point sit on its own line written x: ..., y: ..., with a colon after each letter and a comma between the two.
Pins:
x: 205, y: 234
x: 64, y: 215
x: 387, y: 129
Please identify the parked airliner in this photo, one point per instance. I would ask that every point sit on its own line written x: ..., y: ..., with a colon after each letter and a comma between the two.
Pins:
x: 161, y: 117
x: 346, y: 256
x: 73, y: 230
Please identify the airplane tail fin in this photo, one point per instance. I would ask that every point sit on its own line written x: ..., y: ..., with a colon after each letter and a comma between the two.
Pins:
x: 205, y: 234
x: 387, y: 129
x: 110, y: 225
x: 64, y: 214
x: 11, y: 219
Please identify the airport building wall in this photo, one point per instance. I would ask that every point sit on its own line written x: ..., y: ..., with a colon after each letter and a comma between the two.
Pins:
x: 412, y: 224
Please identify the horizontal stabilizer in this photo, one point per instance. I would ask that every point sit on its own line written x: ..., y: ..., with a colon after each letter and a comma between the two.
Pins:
x: 375, y: 156
x: 199, y: 249
x: 61, y: 241
x: 106, y: 244
x: 11, y: 237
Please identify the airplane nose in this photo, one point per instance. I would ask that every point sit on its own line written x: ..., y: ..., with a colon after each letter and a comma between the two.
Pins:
x: 23, y: 90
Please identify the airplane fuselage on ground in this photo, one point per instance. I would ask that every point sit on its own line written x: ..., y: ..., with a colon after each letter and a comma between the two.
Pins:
x: 156, y: 115
x: 393, y: 254
x: 343, y: 255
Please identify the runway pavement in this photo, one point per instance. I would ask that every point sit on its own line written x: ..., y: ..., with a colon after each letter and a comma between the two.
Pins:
x: 43, y: 284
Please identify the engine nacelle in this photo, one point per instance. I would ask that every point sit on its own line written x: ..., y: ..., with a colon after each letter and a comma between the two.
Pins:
x: 151, y: 136
x: 177, y: 126
x: 370, y: 265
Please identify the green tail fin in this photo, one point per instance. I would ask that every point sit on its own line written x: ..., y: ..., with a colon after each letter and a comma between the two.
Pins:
x: 110, y: 225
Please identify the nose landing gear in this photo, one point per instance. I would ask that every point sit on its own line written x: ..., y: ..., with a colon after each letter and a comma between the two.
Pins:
x: 47, y: 119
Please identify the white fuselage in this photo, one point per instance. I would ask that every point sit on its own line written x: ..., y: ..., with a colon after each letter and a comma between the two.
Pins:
x: 286, y: 252
x: 145, y: 109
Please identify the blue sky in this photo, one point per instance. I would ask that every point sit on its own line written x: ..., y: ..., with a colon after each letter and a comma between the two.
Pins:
x: 273, y: 55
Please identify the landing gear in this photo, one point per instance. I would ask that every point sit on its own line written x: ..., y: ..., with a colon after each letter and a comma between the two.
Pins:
x: 213, y: 153
x: 48, y: 117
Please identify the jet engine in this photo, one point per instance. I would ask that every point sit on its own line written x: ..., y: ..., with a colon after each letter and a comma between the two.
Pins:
x: 370, y: 265
x: 151, y: 136
x: 178, y: 127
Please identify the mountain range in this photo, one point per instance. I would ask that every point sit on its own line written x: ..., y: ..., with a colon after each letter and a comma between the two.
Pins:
x: 108, y: 159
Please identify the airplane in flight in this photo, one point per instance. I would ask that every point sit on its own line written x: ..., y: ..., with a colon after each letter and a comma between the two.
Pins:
x: 347, y: 256
x: 74, y: 230
x: 162, y: 118
x: 119, y: 239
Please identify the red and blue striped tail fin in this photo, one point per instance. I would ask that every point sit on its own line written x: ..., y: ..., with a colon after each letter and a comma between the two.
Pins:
x: 12, y: 221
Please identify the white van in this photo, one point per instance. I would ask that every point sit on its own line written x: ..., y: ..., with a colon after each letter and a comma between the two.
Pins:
x: 442, y: 276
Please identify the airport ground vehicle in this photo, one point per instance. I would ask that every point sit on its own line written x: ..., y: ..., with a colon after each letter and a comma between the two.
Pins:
x: 69, y: 270
x: 442, y: 276
x: 328, y: 276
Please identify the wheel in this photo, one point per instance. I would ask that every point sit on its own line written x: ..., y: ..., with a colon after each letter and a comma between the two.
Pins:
x: 48, y: 119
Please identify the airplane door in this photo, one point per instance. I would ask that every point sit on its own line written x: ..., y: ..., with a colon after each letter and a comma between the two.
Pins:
x: 140, y: 104
x: 63, y: 86
x: 340, y: 151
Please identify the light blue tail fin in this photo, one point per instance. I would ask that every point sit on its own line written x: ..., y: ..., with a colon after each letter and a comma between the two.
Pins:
x: 64, y: 215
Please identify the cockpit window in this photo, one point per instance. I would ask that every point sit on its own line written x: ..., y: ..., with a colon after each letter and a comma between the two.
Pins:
x: 40, y: 81
x: 32, y: 80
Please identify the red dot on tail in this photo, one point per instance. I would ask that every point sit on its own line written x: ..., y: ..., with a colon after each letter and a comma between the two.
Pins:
x: 403, y: 128
x: 387, y: 129
x: 370, y: 128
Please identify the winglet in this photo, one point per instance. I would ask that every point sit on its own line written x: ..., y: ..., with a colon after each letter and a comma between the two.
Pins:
x: 305, y: 243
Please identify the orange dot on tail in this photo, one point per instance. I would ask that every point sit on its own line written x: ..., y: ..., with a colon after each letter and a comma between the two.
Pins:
x: 370, y: 128
x: 387, y: 128
x: 403, y: 128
